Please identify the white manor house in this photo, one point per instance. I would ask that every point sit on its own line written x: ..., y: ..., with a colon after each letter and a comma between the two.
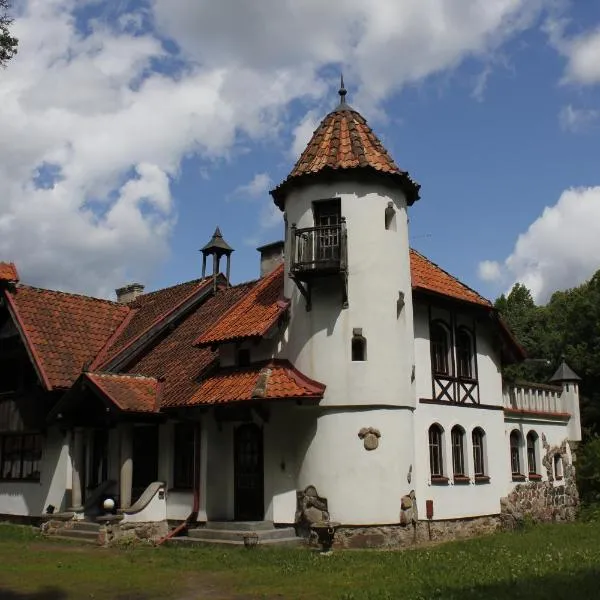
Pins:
x: 354, y: 382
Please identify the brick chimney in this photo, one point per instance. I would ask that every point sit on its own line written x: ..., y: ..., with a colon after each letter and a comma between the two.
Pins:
x: 271, y: 256
x: 129, y: 293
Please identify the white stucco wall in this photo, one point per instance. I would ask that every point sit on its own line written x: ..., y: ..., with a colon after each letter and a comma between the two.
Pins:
x: 32, y: 498
x: 362, y: 487
x: 454, y: 501
x: 378, y: 269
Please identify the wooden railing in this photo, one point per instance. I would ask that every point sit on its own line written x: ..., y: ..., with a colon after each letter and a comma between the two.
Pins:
x: 319, y: 250
x: 534, y: 397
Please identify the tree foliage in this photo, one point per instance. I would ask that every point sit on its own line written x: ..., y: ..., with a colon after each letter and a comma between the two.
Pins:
x: 569, y: 326
x: 8, y: 43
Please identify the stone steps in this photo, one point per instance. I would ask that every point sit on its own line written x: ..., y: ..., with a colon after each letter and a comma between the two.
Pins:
x: 191, y: 542
x: 232, y: 533
x: 80, y: 540
x: 77, y: 534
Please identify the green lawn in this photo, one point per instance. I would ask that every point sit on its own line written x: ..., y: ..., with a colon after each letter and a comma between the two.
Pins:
x: 560, y: 561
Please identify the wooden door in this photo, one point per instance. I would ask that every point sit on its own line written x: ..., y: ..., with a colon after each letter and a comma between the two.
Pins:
x: 249, y: 473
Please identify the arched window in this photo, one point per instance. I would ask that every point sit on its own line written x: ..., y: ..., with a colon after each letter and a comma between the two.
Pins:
x: 464, y: 353
x: 359, y: 346
x: 558, y: 467
x: 478, y: 453
x: 440, y: 347
x: 436, y: 455
x: 532, y: 439
x: 515, y: 453
x: 458, y: 451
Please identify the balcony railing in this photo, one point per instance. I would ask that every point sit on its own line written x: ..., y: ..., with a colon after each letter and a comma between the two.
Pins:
x: 533, y: 397
x: 318, y: 251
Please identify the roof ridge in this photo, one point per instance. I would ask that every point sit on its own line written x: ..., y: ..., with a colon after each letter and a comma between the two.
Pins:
x: 450, y: 275
x: 170, y: 287
x: 70, y: 294
x: 122, y: 375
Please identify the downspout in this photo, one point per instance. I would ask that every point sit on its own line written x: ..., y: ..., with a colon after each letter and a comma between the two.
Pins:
x: 193, y: 516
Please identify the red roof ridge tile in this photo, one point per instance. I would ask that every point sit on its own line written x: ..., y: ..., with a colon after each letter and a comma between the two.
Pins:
x: 147, y: 295
x: 102, y: 355
x: 108, y: 375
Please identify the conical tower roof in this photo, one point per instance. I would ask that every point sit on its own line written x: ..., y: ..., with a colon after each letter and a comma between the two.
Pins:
x: 564, y: 373
x: 344, y: 142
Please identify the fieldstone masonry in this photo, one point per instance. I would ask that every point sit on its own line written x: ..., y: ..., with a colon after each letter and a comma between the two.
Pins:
x: 131, y: 533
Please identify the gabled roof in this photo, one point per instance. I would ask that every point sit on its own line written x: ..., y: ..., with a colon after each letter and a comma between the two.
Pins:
x: 274, y: 380
x: 148, y: 312
x: 254, y: 315
x: 63, y: 332
x: 174, y: 356
x: 429, y: 277
x: 342, y: 142
x: 129, y: 393
x: 8, y: 272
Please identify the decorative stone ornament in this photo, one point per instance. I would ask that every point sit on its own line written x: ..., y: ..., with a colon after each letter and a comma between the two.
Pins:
x: 370, y: 437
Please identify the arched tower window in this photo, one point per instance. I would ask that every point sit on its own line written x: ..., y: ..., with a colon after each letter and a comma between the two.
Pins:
x: 478, y: 437
x: 440, y: 348
x: 532, y: 439
x: 465, y: 353
x: 359, y: 346
x: 515, y: 453
x: 458, y: 451
x: 436, y: 455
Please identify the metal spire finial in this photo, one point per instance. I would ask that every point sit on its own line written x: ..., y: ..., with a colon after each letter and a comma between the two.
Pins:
x: 342, y: 91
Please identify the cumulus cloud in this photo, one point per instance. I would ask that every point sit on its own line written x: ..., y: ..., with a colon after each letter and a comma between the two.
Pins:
x: 560, y: 249
x: 255, y: 189
x: 97, y: 115
x: 577, y: 119
x: 489, y: 270
x: 582, y: 58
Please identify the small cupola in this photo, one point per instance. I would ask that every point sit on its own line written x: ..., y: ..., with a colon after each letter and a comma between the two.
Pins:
x: 216, y: 247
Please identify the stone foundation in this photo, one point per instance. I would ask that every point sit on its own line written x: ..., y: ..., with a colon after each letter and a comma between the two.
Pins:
x: 401, y: 536
x: 131, y: 533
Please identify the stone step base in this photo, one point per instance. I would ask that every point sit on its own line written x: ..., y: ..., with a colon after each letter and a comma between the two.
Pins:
x: 76, y: 534
x: 195, y: 541
x: 237, y: 535
x: 80, y: 540
x: 86, y: 526
x: 241, y: 525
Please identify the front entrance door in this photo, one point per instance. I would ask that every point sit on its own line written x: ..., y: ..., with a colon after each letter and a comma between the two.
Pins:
x: 249, y: 473
x: 145, y: 458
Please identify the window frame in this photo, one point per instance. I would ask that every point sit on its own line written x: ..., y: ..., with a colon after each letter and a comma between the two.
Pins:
x: 479, y: 454
x: 358, y: 348
x: 435, y: 438
x: 19, y: 456
x: 531, y: 443
x: 515, y: 445
x: 457, y: 440
x: 464, y: 332
x: 441, y: 349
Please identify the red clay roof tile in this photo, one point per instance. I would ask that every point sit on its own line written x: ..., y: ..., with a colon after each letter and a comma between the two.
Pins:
x: 8, y: 272
x: 66, y: 331
x: 345, y: 141
x: 427, y: 276
x: 271, y: 381
x: 149, y: 310
x: 130, y: 393
x: 253, y: 315
x: 174, y: 355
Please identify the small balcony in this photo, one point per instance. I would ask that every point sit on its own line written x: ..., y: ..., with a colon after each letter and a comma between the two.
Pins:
x: 319, y: 252
x: 533, y: 398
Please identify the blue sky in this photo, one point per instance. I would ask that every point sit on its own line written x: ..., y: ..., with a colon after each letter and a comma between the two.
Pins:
x: 149, y: 123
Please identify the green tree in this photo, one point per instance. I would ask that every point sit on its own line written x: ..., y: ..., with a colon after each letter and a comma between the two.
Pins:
x: 8, y: 43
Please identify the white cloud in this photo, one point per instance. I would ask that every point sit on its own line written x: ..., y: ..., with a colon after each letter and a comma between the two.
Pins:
x: 577, y: 119
x: 255, y: 189
x: 303, y: 132
x: 95, y: 125
x: 489, y: 270
x: 582, y: 54
x: 560, y: 249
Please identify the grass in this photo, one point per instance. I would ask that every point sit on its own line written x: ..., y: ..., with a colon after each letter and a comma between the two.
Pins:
x: 549, y: 562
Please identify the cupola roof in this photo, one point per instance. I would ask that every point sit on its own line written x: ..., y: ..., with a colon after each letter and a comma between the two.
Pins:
x: 344, y: 142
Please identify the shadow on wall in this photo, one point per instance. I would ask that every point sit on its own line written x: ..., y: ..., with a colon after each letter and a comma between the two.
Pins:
x: 582, y: 584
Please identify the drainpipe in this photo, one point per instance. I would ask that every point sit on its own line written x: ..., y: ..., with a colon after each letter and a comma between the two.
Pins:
x: 193, y: 516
